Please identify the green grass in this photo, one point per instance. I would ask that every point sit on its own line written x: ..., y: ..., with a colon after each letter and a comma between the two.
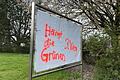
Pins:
x: 15, y: 67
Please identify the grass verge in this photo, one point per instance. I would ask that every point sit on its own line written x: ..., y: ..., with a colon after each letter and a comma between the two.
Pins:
x: 15, y: 67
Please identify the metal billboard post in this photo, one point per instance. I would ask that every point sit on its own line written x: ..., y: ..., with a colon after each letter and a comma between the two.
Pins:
x: 32, y: 40
x: 81, y: 54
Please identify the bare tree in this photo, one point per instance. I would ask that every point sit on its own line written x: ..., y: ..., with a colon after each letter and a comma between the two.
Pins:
x: 100, y: 14
x: 19, y: 24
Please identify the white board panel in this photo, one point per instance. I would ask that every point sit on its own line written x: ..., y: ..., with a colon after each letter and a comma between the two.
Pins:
x: 57, y: 42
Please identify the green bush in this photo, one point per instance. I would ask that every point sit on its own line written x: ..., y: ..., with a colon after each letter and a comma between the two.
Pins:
x: 108, y: 67
x: 94, y: 47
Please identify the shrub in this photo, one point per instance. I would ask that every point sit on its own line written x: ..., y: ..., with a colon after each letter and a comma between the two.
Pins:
x: 94, y: 47
x: 108, y: 67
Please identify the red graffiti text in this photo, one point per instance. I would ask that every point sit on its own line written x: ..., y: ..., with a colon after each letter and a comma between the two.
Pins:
x: 50, y: 56
x: 52, y: 32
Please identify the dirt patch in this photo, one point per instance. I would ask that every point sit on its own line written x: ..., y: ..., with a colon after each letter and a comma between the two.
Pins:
x: 88, y: 71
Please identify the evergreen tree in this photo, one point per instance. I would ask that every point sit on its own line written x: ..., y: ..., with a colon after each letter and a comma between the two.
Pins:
x: 4, y: 26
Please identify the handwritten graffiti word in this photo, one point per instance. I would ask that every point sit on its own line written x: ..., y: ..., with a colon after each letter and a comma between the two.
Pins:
x: 48, y: 42
x: 46, y: 57
x: 70, y: 45
x: 52, y: 32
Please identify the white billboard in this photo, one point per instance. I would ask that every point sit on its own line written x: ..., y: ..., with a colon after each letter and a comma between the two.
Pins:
x: 57, y: 42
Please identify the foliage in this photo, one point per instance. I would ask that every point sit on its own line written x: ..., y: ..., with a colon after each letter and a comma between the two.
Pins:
x: 96, y: 45
x: 108, y: 67
x: 20, y: 25
x: 4, y: 27
x: 15, y: 28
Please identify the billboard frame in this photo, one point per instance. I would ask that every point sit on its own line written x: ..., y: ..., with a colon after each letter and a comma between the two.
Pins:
x: 32, y: 45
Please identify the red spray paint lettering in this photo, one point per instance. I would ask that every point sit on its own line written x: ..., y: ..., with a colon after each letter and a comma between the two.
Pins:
x: 70, y: 45
x: 48, y: 42
x: 46, y: 57
x: 52, y: 32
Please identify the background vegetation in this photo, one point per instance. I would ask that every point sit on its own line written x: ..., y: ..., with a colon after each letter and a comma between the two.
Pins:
x: 14, y: 26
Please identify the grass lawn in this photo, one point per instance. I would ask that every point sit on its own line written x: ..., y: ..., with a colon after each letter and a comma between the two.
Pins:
x: 15, y: 67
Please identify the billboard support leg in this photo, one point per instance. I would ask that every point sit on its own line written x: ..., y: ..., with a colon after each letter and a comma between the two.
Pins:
x: 81, y: 54
x: 32, y: 40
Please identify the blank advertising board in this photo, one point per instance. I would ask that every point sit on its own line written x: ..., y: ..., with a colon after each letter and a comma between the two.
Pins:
x: 57, y: 42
